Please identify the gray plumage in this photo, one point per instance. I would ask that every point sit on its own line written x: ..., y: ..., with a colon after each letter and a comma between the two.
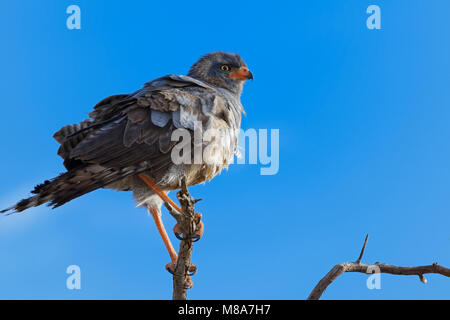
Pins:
x: 129, y: 134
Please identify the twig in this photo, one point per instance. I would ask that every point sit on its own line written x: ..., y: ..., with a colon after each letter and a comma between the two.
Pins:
x: 362, y: 250
x: 357, y: 266
x: 181, y: 279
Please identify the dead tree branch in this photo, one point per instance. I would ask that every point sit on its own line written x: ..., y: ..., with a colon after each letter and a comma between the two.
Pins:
x: 186, y: 221
x: 357, y: 266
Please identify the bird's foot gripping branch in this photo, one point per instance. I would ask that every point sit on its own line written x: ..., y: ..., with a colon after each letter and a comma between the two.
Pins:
x: 189, y: 229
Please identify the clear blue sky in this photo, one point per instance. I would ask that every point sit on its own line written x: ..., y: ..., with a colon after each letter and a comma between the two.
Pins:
x: 364, y: 147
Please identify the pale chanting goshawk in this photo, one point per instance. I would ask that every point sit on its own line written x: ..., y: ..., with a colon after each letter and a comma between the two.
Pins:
x: 126, y: 142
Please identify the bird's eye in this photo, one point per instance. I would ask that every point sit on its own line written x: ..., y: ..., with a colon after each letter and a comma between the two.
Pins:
x: 225, y: 68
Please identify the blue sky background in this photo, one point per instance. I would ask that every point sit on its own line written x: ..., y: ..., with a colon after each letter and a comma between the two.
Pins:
x: 364, y: 135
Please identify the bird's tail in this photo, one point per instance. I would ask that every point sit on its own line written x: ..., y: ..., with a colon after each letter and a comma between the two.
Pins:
x: 68, y: 186
x: 39, y: 198
x: 46, y: 192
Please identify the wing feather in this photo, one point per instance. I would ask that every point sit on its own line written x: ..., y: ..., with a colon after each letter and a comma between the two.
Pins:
x: 137, y: 128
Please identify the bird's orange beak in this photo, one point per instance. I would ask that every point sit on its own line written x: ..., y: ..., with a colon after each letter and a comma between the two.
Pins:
x: 242, y: 74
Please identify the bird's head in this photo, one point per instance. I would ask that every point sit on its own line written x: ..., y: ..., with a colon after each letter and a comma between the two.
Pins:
x: 222, y: 69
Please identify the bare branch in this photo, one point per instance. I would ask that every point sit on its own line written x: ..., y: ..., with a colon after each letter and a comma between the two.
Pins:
x: 181, y: 278
x: 357, y: 266
x: 175, y: 214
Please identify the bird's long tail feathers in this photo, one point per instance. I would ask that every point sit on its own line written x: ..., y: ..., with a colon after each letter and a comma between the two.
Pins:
x: 70, y: 185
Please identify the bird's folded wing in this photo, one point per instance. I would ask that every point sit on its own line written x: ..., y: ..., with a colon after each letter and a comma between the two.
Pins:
x: 136, y: 129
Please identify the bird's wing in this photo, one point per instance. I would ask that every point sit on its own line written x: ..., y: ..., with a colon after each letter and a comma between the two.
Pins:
x: 129, y: 134
x: 136, y: 129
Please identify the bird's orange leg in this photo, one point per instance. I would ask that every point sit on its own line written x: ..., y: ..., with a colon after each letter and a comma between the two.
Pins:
x: 162, y: 231
x: 173, y: 255
x: 152, y: 185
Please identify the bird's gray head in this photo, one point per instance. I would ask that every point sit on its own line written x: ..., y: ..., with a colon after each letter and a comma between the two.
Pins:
x: 222, y: 69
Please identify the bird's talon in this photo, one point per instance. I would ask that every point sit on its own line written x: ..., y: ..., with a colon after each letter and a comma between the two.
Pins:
x: 180, y: 237
x: 194, y: 237
x: 170, y: 267
x: 200, y: 228
x: 179, y: 233
x: 192, y: 270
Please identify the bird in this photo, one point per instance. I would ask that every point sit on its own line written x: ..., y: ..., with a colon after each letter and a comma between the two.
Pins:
x: 129, y: 141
